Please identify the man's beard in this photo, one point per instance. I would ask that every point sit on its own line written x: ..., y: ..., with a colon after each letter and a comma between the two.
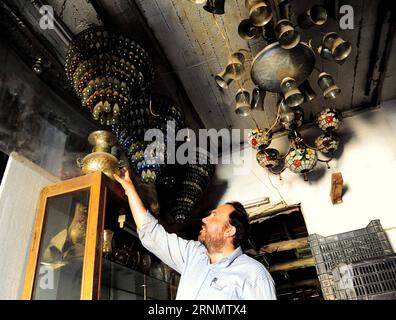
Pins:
x: 212, y: 242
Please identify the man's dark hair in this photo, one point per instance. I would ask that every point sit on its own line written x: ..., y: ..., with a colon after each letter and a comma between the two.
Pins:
x: 240, y: 220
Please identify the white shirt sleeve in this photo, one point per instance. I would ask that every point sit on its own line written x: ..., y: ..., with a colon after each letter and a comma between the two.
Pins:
x: 259, y: 287
x: 168, y: 247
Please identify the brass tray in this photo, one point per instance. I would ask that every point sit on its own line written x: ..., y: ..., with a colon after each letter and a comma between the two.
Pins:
x: 273, y: 64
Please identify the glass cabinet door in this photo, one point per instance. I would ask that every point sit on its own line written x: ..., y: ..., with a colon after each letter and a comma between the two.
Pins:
x: 61, y: 254
x: 122, y: 283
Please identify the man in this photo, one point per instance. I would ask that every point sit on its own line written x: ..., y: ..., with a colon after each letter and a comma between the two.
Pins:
x: 213, y: 267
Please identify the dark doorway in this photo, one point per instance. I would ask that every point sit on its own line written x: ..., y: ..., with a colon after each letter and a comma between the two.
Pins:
x: 281, y: 243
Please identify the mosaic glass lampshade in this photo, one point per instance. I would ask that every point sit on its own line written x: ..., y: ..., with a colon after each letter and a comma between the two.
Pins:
x: 301, y: 160
x: 268, y: 158
x: 260, y: 138
x: 329, y: 119
x: 327, y: 142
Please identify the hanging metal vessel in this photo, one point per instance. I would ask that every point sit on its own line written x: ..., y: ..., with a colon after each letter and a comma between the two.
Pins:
x: 315, y: 16
x: 292, y: 95
x: 286, y: 113
x: 248, y: 31
x: 233, y: 71
x: 328, y: 86
x: 274, y: 63
x: 215, y: 6
x: 326, y: 54
x: 286, y: 34
x: 307, y: 91
x: 242, y: 99
x: 340, y: 49
x: 259, y: 12
x: 258, y: 97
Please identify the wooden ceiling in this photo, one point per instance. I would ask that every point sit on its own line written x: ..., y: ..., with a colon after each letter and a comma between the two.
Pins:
x: 190, y: 46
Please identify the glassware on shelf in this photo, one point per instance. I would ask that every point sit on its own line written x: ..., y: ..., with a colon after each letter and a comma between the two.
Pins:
x: 107, y: 244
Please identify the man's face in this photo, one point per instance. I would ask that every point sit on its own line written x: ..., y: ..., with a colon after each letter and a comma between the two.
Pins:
x: 214, y: 226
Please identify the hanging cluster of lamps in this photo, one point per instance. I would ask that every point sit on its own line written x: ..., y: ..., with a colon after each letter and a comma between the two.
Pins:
x: 191, y: 184
x: 179, y: 187
x: 283, y: 67
x: 108, y: 72
x: 112, y: 75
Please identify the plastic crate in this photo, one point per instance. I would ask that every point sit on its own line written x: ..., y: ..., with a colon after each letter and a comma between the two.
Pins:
x: 353, y: 246
x: 373, y: 279
x: 348, y: 247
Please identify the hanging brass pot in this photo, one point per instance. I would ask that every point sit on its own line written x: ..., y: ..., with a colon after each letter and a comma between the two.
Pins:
x: 307, y: 91
x: 215, y: 6
x: 292, y: 95
x: 326, y: 54
x: 286, y: 114
x: 259, y: 12
x: 258, y: 97
x: 242, y: 99
x: 339, y: 48
x: 248, y: 31
x: 315, y: 16
x: 329, y: 88
x: 224, y: 78
x: 286, y: 34
x: 233, y: 71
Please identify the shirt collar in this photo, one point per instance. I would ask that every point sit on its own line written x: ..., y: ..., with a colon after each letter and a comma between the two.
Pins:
x: 229, y: 259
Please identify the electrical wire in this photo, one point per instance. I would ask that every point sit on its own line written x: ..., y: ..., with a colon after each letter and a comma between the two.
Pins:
x: 151, y: 110
x: 280, y: 195
x: 265, y: 185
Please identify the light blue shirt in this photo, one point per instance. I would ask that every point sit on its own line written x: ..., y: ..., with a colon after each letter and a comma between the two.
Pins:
x: 235, y: 277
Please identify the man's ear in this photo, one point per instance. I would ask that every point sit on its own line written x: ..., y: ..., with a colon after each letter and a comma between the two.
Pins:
x: 231, y: 231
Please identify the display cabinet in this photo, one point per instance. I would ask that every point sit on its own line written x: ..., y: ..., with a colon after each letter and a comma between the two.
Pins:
x: 80, y: 250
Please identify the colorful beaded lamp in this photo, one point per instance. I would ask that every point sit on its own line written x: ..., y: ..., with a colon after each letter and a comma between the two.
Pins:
x: 260, y: 138
x: 329, y: 119
x: 268, y: 158
x: 327, y: 142
x: 301, y: 160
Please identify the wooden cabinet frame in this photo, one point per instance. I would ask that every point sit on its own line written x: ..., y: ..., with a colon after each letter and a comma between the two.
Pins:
x: 99, y: 186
